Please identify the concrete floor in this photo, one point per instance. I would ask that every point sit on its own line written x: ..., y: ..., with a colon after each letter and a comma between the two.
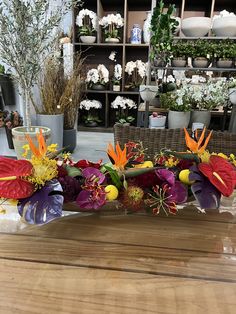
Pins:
x: 90, y: 145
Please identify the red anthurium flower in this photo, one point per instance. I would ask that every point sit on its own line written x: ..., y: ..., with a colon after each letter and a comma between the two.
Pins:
x: 220, y: 173
x: 86, y: 163
x: 12, y: 182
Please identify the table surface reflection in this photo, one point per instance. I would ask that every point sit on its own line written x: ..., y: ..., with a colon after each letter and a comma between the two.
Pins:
x: 94, y: 263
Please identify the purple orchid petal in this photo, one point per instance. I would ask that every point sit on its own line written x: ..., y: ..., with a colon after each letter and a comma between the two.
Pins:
x: 44, y: 205
x: 166, y: 176
x: 179, y: 193
x: 86, y: 201
x: 91, y: 172
x: 207, y: 196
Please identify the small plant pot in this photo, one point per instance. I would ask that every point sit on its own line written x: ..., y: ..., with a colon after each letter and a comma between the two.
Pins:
x: 157, y: 122
x: 112, y: 40
x: 200, y: 62
x: 224, y: 63
x: 159, y: 63
x: 69, y: 139
x: 179, y: 62
x: 178, y: 119
x: 116, y: 88
x: 148, y: 92
x: 88, y: 39
x: 201, y: 116
x: 98, y: 87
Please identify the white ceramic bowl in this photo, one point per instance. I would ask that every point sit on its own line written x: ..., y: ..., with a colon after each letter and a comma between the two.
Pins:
x: 178, y: 19
x: 196, y: 26
x: 225, y: 26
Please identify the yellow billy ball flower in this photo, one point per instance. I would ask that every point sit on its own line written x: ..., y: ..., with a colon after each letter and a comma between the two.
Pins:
x: 111, y: 192
x: 184, y: 177
x: 146, y: 164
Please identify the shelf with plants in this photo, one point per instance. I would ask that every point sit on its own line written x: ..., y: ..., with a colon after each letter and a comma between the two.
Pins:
x: 99, y: 51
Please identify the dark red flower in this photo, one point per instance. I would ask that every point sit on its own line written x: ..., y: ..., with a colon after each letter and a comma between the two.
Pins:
x: 185, y: 164
x: 85, y: 164
x: 221, y: 174
x: 62, y: 172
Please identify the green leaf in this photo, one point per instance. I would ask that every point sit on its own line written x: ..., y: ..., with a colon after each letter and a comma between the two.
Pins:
x: 73, y: 171
x: 114, y: 176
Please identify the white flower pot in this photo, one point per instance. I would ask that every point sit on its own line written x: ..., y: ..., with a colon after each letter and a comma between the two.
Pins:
x: 196, y: 26
x: 202, y: 116
x: 232, y: 95
x: 112, y: 40
x: 224, y: 63
x: 148, y: 92
x: 157, y: 122
x: 116, y: 88
x: 200, y: 62
x: 88, y: 39
x: 225, y: 26
x: 178, y: 119
x: 179, y: 62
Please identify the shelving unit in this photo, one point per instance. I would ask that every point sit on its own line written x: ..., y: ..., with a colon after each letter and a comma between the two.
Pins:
x: 135, y: 12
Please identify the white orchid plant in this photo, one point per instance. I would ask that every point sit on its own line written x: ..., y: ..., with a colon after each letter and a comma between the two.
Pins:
x: 137, y: 72
x: 111, y: 23
x: 98, y: 76
x: 123, y: 105
x: 91, y: 107
x: 87, y: 22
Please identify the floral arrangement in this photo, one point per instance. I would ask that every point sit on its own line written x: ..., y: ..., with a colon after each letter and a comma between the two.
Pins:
x: 10, y: 119
x: 87, y: 22
x: 137, y: 71
x: 41, y: 185
x: 117, y: 72
x: 98, y: 76
x: 111, y: 23
x: 124, y: 105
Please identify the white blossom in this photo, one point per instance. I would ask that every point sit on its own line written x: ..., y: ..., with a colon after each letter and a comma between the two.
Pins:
x: 85, y: 12
x: 99, y: 75
x: 87, y: 104
x: 118, y: 72
x: 110, y: 19
x: 112, y: 56
x: 123, y: 103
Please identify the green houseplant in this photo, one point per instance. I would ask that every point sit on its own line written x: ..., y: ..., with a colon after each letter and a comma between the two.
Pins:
x: 163, y: 26
x: 181, y: 50
x: 225, y: 52
x: 201, y: 53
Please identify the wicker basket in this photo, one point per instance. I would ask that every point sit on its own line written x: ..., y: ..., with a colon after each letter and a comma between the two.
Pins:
x: 174, y: 139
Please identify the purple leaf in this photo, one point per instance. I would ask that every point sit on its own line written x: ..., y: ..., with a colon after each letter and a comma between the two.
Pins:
x: 207, y: 196
x: 89, y: 200
x: 166, y: 176
x: 44, y: 205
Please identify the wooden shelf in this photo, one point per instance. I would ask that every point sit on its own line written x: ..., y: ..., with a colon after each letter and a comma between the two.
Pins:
x: 205, y: 37
x: 195, y: 69
x: 113, y: 44
x: 93, y: 91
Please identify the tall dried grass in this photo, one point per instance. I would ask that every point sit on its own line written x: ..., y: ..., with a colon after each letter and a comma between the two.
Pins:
x: 60, y: 93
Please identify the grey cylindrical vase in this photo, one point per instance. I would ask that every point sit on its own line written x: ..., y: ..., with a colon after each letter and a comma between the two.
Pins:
x: 178, y: 119
x: 55, y: 123
x: 202, y: 116
x: 69, y: 140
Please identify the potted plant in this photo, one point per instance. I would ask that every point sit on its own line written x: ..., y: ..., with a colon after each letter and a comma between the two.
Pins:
x: 116, y: 80
x: 60, y: 98
x: 26, y: 50
x: 123, y: 105
x: 87, y: 22
x: 181, y: 50
x: 10, y: 120
x: 201, y: 53
x: 137, y: 71
x: 157, y: 121
x: 225, y: 52
x: 91, y: 118
x: 179, y: 107
x: 163, y: 26
x: 112, y: 23
x: 206, y: 97
x: 97, y: 79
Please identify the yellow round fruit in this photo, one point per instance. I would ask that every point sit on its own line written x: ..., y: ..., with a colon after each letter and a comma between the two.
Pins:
x: 148, y: 164
x: 184, y: 176
x: 111, y: 192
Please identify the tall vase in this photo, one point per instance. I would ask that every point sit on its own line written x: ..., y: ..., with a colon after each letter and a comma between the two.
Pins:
x: 146, y: 28
x: 55, y: 122
x: 69, y: 139
x: 19, y: 138
x: 178, y: 119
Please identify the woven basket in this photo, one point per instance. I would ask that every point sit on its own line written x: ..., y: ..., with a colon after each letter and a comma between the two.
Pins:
x: 156, y: 139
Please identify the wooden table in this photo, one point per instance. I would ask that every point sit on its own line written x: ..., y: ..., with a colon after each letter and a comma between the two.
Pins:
x: 121, y: 264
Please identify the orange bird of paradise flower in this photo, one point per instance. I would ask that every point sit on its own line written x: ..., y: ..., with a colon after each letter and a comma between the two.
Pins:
x: 199, y: 145
x: 41, y: 151
x: 117, y: 156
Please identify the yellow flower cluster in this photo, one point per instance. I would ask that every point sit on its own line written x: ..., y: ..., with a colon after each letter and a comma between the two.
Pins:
x: 45, y: 169
x: 205, y: 156
x: 171, y: 162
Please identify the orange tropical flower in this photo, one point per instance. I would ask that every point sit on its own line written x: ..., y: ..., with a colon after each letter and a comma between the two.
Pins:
x: 41, y: 151
x: 199, y: 145
x: 117, y: 156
